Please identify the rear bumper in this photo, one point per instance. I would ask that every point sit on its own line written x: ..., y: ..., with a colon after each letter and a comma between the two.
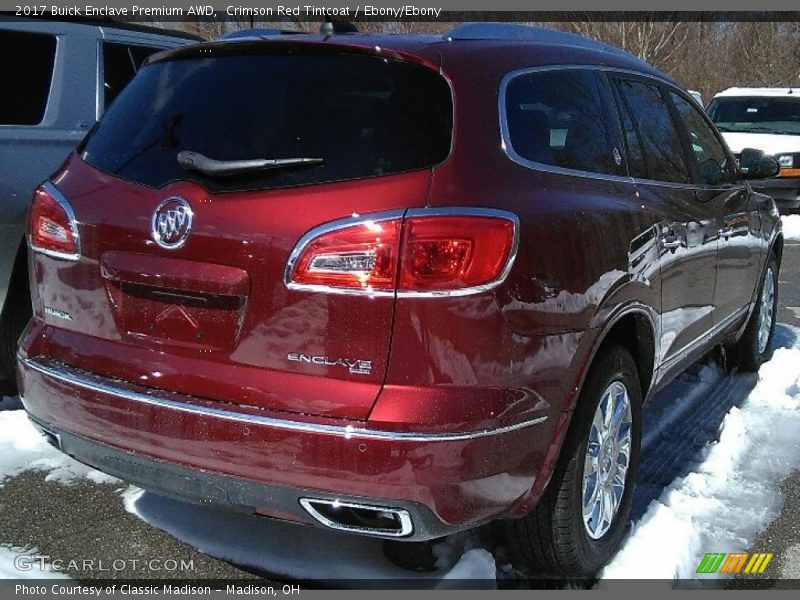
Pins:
x: 202, y: 487
x: 265, y: 463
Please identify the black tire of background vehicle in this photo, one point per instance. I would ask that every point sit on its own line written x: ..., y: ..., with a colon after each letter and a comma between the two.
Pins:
x: 13, y: 318
x: 744, y: 353
x: 552, y: 539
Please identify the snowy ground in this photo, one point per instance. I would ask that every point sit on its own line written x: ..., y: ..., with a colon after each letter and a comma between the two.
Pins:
x: 791, y: 227
x: 715, y: 450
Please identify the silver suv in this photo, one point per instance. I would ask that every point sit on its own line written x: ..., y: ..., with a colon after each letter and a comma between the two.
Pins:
x: 61, y: 79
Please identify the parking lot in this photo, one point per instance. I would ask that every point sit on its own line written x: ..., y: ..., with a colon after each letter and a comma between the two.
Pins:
x: 92, y: 527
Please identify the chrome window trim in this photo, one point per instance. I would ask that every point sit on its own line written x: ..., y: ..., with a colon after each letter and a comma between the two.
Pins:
x: 96, y: 383
x: 54, y: 193
x: 100, y: 77
x: 403, y: 516
x: 408, y: 213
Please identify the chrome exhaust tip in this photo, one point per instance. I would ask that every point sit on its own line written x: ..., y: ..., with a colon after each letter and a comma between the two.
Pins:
x: 365, y: 519
x: 50, y: 436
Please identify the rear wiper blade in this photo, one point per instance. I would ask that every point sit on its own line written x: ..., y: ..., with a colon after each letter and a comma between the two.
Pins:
x: 194, y: 161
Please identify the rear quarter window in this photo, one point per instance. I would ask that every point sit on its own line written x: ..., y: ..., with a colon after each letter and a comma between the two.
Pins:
x: 364, y: 116
x: 563, y: 118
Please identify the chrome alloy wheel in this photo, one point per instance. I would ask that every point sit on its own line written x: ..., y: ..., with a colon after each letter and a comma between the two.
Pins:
x: 607, y: 459
x: 766, y: 310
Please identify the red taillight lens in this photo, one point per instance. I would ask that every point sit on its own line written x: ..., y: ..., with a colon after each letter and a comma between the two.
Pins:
x: 50, y: 226
x: 362, y: 256
x: 421, y: 254
x: 448, y: 253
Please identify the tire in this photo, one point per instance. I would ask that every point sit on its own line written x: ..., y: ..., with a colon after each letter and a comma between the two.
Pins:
x: 13, y: 318
x: 554, y: 539
x: 754, y: 347
x: 11, y: 328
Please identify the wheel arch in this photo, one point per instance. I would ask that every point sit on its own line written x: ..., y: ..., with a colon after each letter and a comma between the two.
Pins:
x: 777, y: 248
x: 632, y: 326
x: 634, y: 329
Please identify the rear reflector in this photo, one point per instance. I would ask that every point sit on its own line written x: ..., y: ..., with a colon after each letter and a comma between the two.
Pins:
x: 51, y: 224
x: 451, y: 252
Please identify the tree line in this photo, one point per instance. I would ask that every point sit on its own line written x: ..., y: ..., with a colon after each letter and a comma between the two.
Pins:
x: 707, y: 56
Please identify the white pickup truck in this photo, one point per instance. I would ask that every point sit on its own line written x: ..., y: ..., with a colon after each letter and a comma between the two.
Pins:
x: 767, y: 119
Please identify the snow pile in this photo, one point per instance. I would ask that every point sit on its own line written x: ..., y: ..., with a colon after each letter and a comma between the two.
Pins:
x: 281, y: 549
x: 476, y: 563
x: 22, y: 448
x: 10, y: 558
x: 730, y: 496
x: 791, y: 227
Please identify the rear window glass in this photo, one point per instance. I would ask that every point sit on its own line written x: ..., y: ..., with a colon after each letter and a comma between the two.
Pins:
x: 26, y: 69
x: 564, y: 119
x: 363, y: 116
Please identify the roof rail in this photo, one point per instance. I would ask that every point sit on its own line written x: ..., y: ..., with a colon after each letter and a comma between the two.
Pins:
x: 257, y: 32
x: 524, y: 33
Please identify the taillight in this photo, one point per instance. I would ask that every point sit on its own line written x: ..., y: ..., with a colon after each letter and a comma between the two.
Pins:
x: 51, y: 224
x: 427, y: 252
x: 358, y: 256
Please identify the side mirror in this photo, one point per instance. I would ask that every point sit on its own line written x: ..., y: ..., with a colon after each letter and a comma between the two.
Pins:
x: 754, y: 164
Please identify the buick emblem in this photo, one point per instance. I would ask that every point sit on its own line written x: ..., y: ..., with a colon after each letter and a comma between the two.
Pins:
x: 172, y: 222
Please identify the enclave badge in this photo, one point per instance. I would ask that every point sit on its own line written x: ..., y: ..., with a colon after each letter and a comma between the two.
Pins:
x: 172, y: 222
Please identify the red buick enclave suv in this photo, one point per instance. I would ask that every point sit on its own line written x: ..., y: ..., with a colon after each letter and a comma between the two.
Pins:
x: 393, y: 285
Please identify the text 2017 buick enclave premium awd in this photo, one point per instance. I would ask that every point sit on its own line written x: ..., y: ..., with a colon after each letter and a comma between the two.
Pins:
x: 393, y: 285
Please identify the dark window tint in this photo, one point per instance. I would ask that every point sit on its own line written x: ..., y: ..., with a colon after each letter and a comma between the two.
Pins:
x: 26, y: 69
x: 637, y: 167
x: 564, y: 119
x: 120, y: 63
x: 659, y: 137
x: 713, y: 166
x: 363, y: 116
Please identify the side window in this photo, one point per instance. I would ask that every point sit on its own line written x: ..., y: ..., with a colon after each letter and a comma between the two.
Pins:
x: 712, y: 160
x: 564, y: 119
x: 660, y: 140
x: 26, y: 70
x: 120, y: 63
x: 637, y: 166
